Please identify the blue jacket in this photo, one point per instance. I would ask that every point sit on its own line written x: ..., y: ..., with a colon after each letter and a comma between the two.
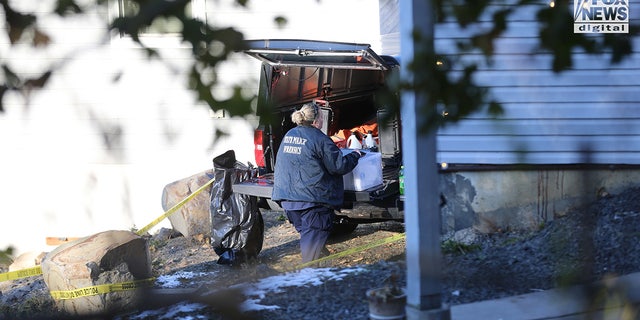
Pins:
x: 309, y: 168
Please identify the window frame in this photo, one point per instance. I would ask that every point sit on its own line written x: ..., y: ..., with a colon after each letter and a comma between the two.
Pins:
x: 152, y: 39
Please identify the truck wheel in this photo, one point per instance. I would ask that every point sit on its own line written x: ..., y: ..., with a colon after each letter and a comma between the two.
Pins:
x: 342, y: 226
x: 273, y: 205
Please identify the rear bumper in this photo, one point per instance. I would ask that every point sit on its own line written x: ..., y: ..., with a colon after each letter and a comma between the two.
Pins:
x: 262, y: 187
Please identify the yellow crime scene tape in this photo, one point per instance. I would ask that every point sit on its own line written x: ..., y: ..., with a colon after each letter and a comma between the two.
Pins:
x: 35, y: 271
x: 24, y: 273
x: 130, y: 285
x: 174, y: 208
x: 101, y: 289
x: 367, y: 246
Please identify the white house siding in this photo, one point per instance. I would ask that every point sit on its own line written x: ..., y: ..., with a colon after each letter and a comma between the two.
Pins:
x: 57, y: 175
x: 549, y: 118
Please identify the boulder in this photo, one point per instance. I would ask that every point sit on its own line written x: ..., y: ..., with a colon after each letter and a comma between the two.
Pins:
x: 193, y: 218
x: 27, y: 260
x: 109, y: 257
x: 468, y: 236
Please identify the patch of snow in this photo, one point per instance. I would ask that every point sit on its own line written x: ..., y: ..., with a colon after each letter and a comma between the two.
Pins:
x: 173, y: 312
x: 176, y: 279
x: 255, y: 292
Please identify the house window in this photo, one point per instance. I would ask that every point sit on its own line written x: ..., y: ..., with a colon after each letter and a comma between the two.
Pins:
x: 160, y: 26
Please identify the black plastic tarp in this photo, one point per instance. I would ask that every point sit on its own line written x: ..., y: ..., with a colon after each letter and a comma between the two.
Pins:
x: 237, y: 228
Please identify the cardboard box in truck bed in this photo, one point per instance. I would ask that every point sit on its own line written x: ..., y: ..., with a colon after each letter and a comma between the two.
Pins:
x: 367, y: 174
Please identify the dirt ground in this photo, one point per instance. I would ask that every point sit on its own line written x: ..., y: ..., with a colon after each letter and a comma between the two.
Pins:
x: 280, y: 251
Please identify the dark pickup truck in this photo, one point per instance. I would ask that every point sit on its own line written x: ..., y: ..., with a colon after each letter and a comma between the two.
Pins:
x: 345, y: 79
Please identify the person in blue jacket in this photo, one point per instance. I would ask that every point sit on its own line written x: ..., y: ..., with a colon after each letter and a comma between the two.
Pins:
x: 308, y: 180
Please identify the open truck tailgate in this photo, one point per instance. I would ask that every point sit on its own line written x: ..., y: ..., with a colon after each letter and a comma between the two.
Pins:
x: 259, y: 186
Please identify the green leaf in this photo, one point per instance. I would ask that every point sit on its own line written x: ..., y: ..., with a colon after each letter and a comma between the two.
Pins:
x: 64, y: 7
x: 469, y: 11
x: 280, y: 21
x: 17, y: 23
x: 11, y: 79
x: 3, y: 90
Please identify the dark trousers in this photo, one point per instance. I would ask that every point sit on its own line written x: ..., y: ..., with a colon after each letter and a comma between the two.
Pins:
x: 314, y: 225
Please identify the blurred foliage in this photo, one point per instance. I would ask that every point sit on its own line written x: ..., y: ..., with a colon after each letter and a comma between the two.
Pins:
x: 36, y: 307
x: 450, y: 98
x: 209, y: 45
x: 6, y: 257
x: 455, y: 247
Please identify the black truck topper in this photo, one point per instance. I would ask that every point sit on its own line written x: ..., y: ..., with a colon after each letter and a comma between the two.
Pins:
x: 351, y: 63
x: 308, y: 53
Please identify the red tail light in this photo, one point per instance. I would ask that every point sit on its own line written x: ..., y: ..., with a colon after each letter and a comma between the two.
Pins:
x: 258, y: 147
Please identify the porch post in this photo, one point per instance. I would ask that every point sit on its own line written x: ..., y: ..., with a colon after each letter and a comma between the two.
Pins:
x: 422, y: 211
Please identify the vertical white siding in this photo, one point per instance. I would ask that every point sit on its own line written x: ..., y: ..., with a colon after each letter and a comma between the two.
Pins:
x: 550, y: 118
